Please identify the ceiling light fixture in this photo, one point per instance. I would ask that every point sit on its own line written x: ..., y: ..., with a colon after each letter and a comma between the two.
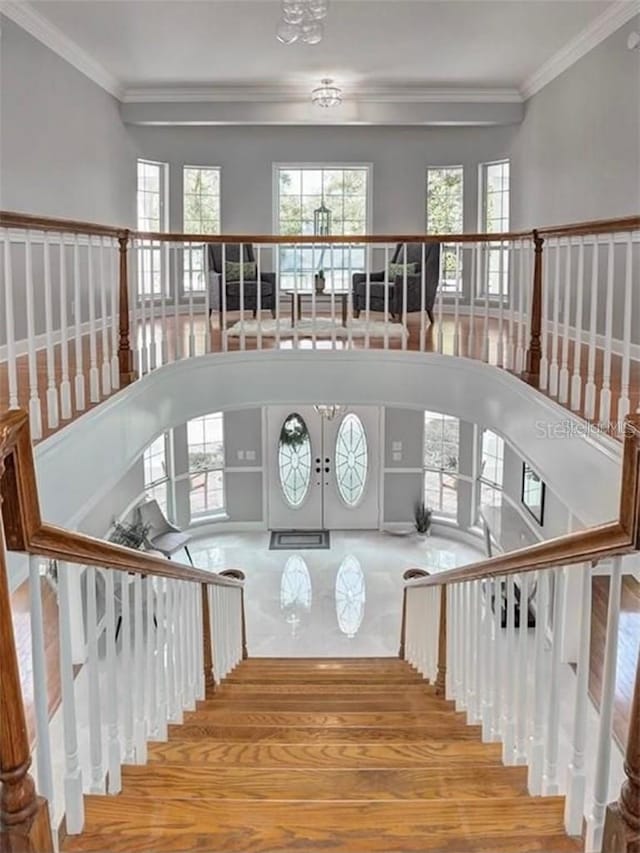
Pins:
x: 327, y: 95
x: 329, y: 411
x: 301, y: 20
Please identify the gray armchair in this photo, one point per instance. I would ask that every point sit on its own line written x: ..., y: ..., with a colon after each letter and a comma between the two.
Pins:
x: 231, y: 302
x: 378, y: 283
x: 163, y: 536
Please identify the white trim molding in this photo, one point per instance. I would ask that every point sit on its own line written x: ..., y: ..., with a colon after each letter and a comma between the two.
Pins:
x: 25, y: 16
x: 614, y: 17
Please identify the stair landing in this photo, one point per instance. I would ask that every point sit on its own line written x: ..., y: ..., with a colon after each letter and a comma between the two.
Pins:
x: 321, y: 754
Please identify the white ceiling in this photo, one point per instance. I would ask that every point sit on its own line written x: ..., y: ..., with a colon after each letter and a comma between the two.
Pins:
x: 472, y: 44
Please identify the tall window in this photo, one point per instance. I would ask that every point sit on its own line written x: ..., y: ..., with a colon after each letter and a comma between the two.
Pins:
x: 445, y: 195
x: 156, y: 471
x: 151, y: 195
x: 303, y: 190
x: 441, y: 454
x: 495, y: 219
x: 201, y: 213
x: 491, y: 469
x: 205, y: 438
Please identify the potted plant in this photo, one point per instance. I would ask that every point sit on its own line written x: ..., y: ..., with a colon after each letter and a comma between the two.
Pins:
x: 422, y: 516
x: 319, y: 281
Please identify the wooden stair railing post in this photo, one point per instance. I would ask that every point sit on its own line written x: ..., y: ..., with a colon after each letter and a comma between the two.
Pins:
x: 441, y: 677
x: 238, y: 574
x: 207, y: 648
x: 410, y: 574
x: 24, y: 817
x: 125, y: 353
x: 534, y: 352
x: 622, y: 822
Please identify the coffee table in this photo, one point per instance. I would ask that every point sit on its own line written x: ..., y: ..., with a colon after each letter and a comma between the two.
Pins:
x: 320, y: 295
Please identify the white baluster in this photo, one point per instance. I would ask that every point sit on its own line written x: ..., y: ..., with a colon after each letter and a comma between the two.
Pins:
x: 477, y: 648
x: 94, y: 374
x: 550, y: 778
x: 93, y: 675
x: 35, y: 411
x: 135, y: 291
x: 259, y: 295
x: 504, y: 248
x: 140, y: 726
x: 485, y: 262
x: 488, y: 659
x: 199, y: 633
x: 510, y: 356
x: 165, y: 270
x: 590, y: 387
x: 10, y: 322
x: 113, y: 747
x: 576, y: 774
x: 543, y: 383
x: 595, y: 820
x: 223, y: 302
x: 40, y: 686
x: 473, y: 293
x: 439, y: 297
x: 554, y: 370
x: 174, y: 254
x: 79, y: 384
x: 161, y: 658
x: 127, y: 699
x: 576, y: 379
x: 150, y: 643
x: 146, y: 291
x: 456, y: 300
x: 536, y: 745
x: 451, y: 645
x: 153, y: 346
x: 497, y: 660
x: 367, y: 314
x: 460, y: 696
x: 185, y: 647
x: 65, y: 385
x: 521, y: 324
x: 523, y: 666
x: 508, y: 718
x: 423, y: 287
x: 605, y: 393
x: 332, y: 298
x: 470, y: 654
x: 193, y: 657
x: 114, y: 290
x: 243, y: 342
x: 563, y: 390
x: 52, y: 391
x: 103, y: 280
x: 73, y: 798
x: 464, y: 621
x: 176, y: 711
x: 624, y: 403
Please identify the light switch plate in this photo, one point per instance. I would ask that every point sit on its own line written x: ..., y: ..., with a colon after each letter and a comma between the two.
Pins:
x: 396, y: 445
x: 241, y: 455
x: 251, y: 456
x: 397, y: 457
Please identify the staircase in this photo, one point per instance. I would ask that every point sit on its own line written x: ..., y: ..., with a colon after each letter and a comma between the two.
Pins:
x: 323, y: 754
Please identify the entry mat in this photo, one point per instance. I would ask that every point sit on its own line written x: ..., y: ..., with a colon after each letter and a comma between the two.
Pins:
x: 294, y: 540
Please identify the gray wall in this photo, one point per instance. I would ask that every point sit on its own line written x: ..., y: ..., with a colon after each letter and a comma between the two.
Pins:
x: 100, y: 518
x: 64, y: 150
x: 576, y: 156
x: 399, y: 156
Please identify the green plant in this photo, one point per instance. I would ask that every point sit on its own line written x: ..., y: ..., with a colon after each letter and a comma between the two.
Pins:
x: 294, y: 431
x: 133, y: 535
x: 422, y: 515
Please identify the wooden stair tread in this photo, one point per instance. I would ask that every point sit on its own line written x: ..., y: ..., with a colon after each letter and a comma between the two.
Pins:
x: 325, y: 704
x: 259, y: 677
x: 433, y: 754
x: 309, y: 734
x: 326, y: 719
x: 468, y: 782
x: 136, y: 824
x: 239, y: 688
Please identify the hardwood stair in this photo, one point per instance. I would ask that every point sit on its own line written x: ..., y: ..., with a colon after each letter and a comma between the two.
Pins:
x: 334, y: 755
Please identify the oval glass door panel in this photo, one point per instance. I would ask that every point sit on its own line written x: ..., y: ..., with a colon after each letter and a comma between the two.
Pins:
x: 294, y: 459
x: 350, y: 596
x: 352, y: 459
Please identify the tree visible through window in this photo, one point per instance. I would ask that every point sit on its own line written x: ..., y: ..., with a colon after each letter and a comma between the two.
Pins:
x: 445, y: 198
x: 441, y: 461
x: 205, y: 441
x: 301, y: 191
x: 201, y: 212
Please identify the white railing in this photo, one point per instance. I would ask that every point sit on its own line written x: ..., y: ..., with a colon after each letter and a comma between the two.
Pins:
x: 146, y: 662
x: 504, y: 669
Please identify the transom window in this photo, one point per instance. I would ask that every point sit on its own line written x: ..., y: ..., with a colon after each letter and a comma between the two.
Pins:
x: 151, y: 195
x: 441, y: 459
x: 495, y: 219
x: 445, y: 197
x: 491, y: 469
x: 201, y: 212
x: 301, y: 190
x: 156, y: 471
x: 205, y: 440
x: 351, y: 459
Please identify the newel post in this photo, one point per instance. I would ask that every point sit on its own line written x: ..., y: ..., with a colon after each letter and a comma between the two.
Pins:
x: 441, y: 677
x: 24, y: 817
x: 125, y: 353
x: 238, y: 574
x: 534, y: 353
x: 622, y: 822
x: 410, y: 574
x: 207, y: 646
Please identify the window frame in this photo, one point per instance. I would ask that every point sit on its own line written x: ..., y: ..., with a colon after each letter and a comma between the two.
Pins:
x: 447, y: 250
x: 188, y: 252
x: 209, y: 513
x: 153, y: 292
x: 442, y: 473
x: 149, y: 487
x: 486, y: 483
x: 497, y: 248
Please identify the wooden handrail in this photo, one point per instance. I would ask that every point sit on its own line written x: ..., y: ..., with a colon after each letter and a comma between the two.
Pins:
x: 596, y: 226
x: 613, y: 539
x: 10, y: 219
x: 306, y: 239
x: 25, y: 531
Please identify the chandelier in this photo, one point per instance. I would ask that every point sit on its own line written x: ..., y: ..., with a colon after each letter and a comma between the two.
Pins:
x: 329, y: 411
x: 301, y: 20
x: 327, y: 95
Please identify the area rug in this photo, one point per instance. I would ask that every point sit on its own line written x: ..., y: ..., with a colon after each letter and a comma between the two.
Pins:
x: 324, y: 327
x: 300, y: 540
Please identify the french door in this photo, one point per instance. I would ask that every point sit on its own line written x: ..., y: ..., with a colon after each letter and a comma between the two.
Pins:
x: 323, y: 474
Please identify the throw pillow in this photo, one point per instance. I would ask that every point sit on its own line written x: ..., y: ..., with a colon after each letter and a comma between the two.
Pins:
x: 396, y: 270
x: 249, y: 269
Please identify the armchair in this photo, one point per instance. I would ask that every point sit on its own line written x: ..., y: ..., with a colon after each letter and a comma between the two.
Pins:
x: 268, y: 283
x: 378, y: 283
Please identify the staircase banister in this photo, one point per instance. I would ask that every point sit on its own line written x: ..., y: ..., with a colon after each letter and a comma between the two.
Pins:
x: 27, y: 221
x: 350, y: 239
x: 25, y: 531
x: 596, y: 226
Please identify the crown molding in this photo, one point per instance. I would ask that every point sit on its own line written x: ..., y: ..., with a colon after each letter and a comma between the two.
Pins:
x: 288, y: 94
x: 618, y: 14
x: 22, y: 14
